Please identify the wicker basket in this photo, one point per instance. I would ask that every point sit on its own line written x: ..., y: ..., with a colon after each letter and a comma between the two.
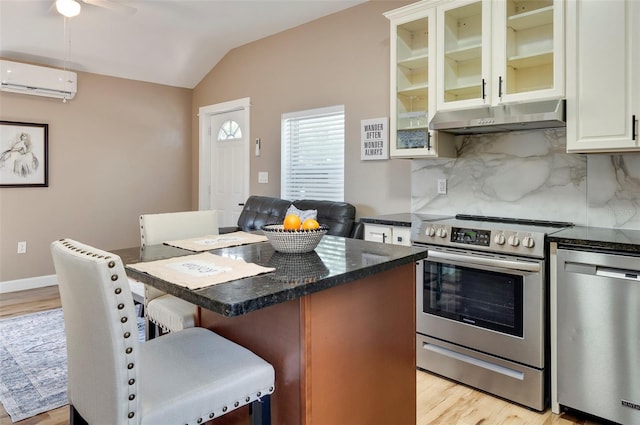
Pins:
x: 293, y: 241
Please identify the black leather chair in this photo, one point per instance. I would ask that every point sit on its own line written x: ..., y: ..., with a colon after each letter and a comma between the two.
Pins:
x: 339, y: 216
x: 261, y: 210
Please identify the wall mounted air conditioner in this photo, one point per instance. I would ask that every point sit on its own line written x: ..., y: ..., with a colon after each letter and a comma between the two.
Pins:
x: 37, y: 80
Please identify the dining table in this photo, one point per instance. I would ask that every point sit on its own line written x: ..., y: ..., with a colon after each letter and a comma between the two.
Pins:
x: 337, y: 324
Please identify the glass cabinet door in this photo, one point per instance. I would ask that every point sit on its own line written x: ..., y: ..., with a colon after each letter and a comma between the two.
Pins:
x: 412, y: 84
x: 463, y: 53
x: 413, y: 88
x: 528, y: 44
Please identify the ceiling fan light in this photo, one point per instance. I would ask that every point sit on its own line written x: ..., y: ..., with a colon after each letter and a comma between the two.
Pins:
x: 68, y: 8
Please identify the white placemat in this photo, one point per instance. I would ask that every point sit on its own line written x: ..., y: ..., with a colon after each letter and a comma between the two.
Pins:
x: 200, y: 270
x: 209, y: 242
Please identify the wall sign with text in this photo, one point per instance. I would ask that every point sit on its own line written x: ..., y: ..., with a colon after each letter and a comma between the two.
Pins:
x: 374, y: 135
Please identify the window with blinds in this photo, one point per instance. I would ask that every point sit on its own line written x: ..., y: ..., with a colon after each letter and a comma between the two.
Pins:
x: 312, y: 156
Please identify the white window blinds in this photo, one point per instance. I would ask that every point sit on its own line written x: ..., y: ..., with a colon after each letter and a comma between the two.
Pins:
x: 312, y: 158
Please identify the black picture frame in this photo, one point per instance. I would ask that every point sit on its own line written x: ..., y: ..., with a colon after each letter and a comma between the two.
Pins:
x: 24, y: 154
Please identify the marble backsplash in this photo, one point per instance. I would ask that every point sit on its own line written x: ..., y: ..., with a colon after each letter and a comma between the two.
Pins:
x: 528, y: 174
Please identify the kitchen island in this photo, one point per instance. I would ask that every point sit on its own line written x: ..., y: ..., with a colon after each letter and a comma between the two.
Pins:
x: 337, y: 324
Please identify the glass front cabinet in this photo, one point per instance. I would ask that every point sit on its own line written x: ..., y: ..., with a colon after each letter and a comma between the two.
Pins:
x: 500, y: 51
x: 464, y: 53
x: 528, y: 38
x: 497, y: 51
x: 413, y: 94
x: 457, y: 54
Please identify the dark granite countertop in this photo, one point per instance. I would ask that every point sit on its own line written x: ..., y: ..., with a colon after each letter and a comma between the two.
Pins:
x: 623, y: 240
x: 335, y: 261
x: 402, y: 219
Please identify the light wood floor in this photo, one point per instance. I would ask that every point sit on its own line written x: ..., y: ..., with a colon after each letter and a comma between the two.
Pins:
x: 440, y: 401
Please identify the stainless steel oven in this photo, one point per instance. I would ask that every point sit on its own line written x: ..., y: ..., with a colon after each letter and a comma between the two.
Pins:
x: 482, y: 305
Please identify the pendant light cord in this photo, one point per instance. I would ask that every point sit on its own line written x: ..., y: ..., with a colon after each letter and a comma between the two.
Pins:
x: 67, y: 52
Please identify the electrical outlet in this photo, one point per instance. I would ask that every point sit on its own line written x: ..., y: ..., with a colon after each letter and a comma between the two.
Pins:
x: 22, y: 247
x: 263, y: 177
x: 442, y: 186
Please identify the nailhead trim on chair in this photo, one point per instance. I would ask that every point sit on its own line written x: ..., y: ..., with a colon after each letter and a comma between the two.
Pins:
x: 123, y: 320
x: 129, y: 350
x: 236, y: 404
x: 163, y: 329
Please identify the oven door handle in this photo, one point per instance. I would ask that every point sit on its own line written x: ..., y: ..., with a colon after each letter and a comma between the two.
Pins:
x: 484, y: 261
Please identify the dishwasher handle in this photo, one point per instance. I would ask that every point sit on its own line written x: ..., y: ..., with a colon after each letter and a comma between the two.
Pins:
x: 595, y: 270
x: 618, y: 273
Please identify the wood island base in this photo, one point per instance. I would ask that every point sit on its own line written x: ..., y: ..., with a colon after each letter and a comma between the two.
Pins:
x: 342, y: 356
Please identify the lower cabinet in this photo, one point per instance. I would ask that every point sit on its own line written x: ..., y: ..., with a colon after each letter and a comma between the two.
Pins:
x: 397, y: 235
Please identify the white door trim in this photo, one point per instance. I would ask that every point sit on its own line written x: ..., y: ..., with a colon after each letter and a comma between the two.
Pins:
x: 204, y: 152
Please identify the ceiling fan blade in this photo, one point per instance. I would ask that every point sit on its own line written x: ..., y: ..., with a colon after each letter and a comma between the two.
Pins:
x: 112, y: 5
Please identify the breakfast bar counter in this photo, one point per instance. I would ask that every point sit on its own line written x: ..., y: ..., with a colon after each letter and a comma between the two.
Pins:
x: 337, y: 324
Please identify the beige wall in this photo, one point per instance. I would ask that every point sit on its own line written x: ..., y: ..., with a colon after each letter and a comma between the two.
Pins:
x: 122, y: 148
x: 118, y: 149
x: 339, y: 59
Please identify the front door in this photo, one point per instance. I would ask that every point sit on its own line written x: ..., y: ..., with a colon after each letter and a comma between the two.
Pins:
x: 224, y: 159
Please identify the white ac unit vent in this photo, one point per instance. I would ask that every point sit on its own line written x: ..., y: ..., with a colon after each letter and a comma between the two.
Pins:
x: 37, y: 80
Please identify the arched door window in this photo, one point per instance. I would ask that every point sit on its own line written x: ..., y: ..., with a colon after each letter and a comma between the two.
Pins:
x: 229, y: 130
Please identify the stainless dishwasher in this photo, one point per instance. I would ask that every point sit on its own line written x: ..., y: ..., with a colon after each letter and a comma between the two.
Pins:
x: 598, y: 334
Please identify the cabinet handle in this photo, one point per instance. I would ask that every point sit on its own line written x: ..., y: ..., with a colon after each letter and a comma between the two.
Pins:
x: 633, y: 127
x: 500, y: 87
x: 484, y: 95
x: 428, y: 140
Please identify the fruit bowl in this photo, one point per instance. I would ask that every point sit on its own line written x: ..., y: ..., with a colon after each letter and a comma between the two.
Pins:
x: 293, y: 241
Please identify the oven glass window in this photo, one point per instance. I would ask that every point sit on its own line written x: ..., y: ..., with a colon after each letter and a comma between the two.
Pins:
x: 482, y: 298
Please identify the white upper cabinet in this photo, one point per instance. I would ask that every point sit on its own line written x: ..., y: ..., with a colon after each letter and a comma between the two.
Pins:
x: 603, y: 76
x: 492, y: 52
x: 528, y: 50
x: 464, y: 54
x: 413, y: 94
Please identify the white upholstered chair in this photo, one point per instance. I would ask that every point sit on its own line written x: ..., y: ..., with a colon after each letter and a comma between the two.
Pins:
x: 186, y: 377
x: 163, y: 311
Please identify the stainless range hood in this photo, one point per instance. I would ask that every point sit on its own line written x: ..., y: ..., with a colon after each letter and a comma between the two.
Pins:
x: 496, y: 119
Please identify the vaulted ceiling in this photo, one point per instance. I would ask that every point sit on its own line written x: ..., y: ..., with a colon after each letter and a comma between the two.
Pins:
x: 171, y: 42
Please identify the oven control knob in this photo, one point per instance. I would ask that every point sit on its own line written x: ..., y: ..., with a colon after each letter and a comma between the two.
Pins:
x: 431, y: 232
x: 528, y: 242
x: 514, y: 240
x: 499, y: 239
x: 441, y: 232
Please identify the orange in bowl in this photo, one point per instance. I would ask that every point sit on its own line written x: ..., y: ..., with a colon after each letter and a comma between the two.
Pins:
x: 310, y: 224
x: 292, y: 222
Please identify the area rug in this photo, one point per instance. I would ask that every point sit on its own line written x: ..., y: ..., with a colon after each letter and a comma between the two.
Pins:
x: 33, y: 363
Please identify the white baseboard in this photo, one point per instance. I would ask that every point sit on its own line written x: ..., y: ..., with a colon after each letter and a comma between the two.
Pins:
x: 28, y: 283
